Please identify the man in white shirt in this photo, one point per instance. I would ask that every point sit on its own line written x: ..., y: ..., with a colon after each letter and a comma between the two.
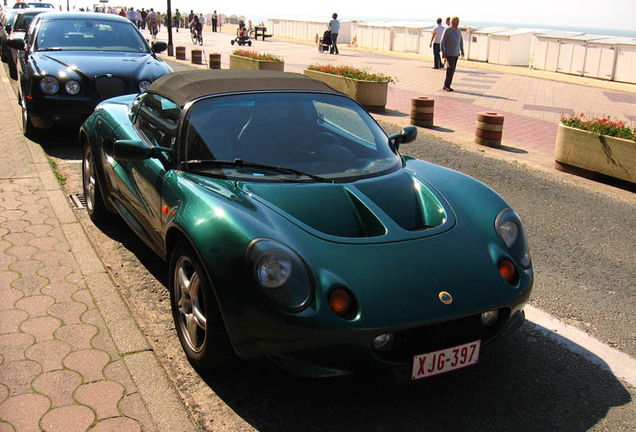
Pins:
x: 436, y: 39
x: 334, y: 28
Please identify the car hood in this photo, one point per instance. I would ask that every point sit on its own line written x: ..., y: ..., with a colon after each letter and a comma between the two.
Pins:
x: 91, y: 64
x: 395, y: 207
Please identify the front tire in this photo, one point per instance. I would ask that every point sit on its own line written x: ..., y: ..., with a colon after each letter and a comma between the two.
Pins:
x: 28, y: 129
x: 92, y: 191
x: 195, y: 312
x: 13, y: 69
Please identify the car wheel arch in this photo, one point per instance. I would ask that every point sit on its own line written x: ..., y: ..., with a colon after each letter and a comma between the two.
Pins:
x: 223, y: 353
x: 101, y: 180
x: 177, y: 236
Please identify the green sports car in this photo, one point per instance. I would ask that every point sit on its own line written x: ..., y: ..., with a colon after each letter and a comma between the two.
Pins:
x: 294, y: 229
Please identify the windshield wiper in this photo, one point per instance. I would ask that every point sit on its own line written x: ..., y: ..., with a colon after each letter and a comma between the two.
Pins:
x: 51, y: 49
x: 242, y: 163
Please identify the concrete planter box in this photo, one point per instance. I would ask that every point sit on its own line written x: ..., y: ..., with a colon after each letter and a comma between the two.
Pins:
x: 370, y: 94
x: 239, y: 62
x: 614, y: 157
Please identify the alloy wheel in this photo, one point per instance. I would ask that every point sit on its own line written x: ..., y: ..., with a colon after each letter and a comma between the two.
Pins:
x: 191, y: 305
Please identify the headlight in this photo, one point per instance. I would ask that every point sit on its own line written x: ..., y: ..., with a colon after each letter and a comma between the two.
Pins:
x: 72, y: 87
x: 281, y: 274
x: 49, y: 85
x: 511, y: 232
x: 143, y: 85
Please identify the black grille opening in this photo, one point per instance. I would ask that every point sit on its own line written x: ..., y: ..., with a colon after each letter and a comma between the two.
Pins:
x: 421, y: 340
x: 108, y: 87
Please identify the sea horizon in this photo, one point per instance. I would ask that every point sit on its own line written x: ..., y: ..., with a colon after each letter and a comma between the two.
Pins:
x: 419, y: 23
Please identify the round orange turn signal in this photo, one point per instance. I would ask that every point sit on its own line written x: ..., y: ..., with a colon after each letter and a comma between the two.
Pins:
x: 508, y: 271
x: 341, y: 303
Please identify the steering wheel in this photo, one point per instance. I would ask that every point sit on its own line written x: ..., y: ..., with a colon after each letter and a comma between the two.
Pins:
x: 311, y: 144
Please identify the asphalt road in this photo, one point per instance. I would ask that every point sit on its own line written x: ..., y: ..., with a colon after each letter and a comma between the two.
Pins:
x: 582, y: 244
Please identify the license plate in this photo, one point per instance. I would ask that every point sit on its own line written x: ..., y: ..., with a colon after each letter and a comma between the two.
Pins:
x: 434, y: 363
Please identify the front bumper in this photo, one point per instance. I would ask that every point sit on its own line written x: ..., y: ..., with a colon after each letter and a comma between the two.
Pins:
x: 47, y: 111
x: 328, y: 346
x: 359, y: 355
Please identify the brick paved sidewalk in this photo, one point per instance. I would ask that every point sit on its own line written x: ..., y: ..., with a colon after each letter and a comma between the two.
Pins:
x: 71, y: 356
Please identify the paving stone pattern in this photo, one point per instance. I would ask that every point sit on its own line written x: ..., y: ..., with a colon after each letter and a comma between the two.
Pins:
x: 59, y: 367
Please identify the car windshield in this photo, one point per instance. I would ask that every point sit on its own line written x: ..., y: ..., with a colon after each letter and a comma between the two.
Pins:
x: 325, y: 136
x: 23, y: 21
x: 11, y: 17
x: 89, y: 35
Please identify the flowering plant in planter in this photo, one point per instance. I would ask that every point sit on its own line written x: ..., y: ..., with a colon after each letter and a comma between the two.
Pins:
x: 351, y: 72
x: 257, y: 56
x: 596, y: 145
x: 600, y: 126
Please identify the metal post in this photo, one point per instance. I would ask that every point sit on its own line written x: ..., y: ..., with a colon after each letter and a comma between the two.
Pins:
x: 170, y: 45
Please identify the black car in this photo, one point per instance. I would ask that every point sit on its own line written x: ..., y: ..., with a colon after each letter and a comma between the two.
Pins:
x: 19, y: 28
x: 69, y: 62
x: 6, y: 25
x: 26, y: 5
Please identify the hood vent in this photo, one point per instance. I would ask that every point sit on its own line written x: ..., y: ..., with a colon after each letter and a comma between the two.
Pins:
x: 366, y: 209
x: 406, y: 201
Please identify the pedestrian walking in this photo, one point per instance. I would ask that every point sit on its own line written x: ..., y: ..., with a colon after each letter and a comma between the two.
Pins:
x: 138, y: 19
x: 452, y: 46
x: 132, y: 15
x: 436, y: 39
x: 215, y: 21
x: 177, y: 19
x: 334, y: 28
x: 144, y: 13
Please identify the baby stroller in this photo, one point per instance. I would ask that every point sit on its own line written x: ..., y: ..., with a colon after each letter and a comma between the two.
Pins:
x: 242, y: 37
x: 324, y: 43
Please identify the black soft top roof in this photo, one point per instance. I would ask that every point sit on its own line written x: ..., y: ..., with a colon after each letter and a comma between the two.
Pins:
x: 185, y: 86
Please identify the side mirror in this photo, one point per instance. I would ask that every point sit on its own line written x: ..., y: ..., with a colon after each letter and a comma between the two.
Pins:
x: 159, y: 46
x: 135, y: 150
x: 406, y: 135
x: 16, y: 43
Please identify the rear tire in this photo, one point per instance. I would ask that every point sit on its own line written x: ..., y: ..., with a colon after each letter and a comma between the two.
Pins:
x: 196, y: 313
x: 249, y: 43
x: 92, y: 191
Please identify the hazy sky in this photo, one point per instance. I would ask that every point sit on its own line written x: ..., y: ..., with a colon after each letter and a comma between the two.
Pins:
x: 620, y: 14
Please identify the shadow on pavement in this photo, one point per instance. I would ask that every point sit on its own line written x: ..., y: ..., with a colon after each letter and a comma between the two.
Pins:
x: 526, y: 383
x: 441, y: 129
x: 513, y: 149
x: 481, y: 95
x: 60, y: 142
